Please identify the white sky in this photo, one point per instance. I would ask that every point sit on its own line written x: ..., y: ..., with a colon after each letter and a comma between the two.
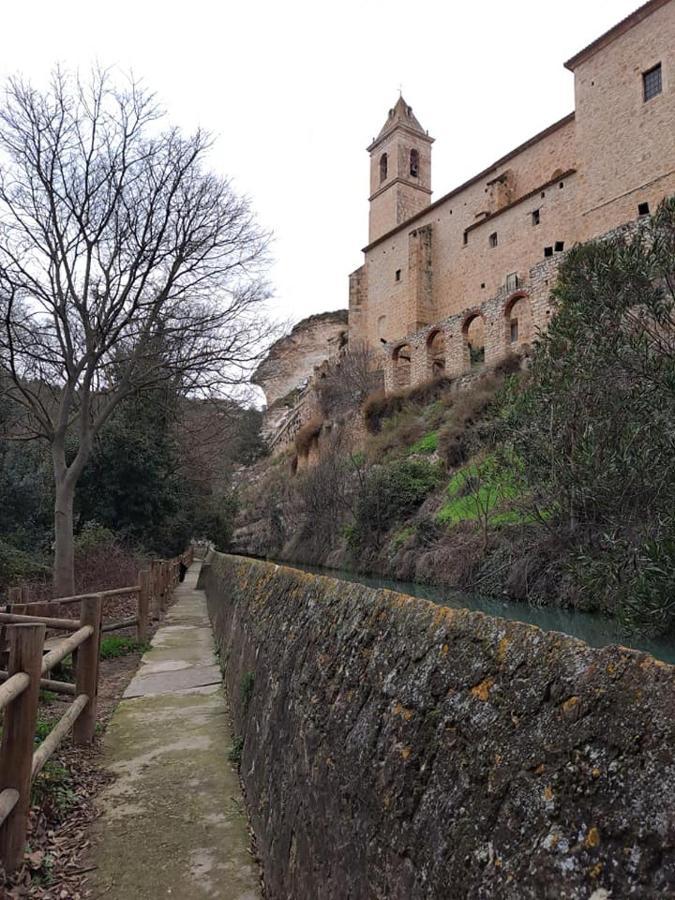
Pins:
x: 295, y: 90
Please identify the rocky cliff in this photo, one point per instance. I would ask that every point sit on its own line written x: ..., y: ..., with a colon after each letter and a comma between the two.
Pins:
x: 393, y: 748
x: 291, y: 359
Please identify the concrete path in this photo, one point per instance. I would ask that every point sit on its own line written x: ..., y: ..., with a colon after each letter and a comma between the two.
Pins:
x: 172, y: 822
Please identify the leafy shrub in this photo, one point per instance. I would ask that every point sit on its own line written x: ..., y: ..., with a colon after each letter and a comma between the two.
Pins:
x: 594, y: 420
x: 18, y: 565
x: 92, y: 536
x: 637, y: 583
x: 389, y: 494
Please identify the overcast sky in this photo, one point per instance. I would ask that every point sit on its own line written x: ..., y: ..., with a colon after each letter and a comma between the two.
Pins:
x: 295, y: 90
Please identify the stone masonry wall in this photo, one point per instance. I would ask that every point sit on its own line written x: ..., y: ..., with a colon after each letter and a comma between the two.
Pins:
x: 393, y: 748
x: 587, y: 174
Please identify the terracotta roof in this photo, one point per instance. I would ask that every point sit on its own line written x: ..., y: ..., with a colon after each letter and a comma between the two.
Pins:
x: 621, y: 28
x: 401, y: 114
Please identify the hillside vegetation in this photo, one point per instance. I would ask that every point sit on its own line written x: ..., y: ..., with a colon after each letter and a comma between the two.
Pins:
x: 553, y: 484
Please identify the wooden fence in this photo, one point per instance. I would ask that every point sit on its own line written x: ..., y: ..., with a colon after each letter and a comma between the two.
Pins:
x: 31, y: 657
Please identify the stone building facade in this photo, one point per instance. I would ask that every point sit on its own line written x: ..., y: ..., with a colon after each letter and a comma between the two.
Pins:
x: 461, y: 281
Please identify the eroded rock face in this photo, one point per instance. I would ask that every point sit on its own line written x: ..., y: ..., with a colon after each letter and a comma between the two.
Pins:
x: 397, y: 749
x: 291, y: 360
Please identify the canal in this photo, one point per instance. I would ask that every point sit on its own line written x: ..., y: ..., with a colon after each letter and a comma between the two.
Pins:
x: 594, y: 629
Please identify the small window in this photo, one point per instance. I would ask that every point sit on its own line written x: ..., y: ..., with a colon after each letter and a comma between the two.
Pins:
x: 466, y: 238
x: 514, y: 330
x: 482, y: 285
x: 398, y: 274
x: 643, y: 209
x: 548, y: 251
x: 383, y: 167
x: 414, y: 163
x: 561, y: 185
x: 512, y: 282
x: 652, y: 83
x: 536, y: 217
x: 559, y: 246
x: 493, y: 239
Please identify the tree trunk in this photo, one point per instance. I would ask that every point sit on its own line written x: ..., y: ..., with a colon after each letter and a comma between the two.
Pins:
x: 64, y: 555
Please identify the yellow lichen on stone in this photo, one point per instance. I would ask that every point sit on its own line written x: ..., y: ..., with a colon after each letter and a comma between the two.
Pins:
x: 482, y: 691
x: 548, y: 793
x: 444, y: 649
x: 402, y: 711
x: 596, y: 870
x: 406, y: 752
x: 501, y: 649
x: 595, y: 772
x: 569, y: 704
x: 592, y: 838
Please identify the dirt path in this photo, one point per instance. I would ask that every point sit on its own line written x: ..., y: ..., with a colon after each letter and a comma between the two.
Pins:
x: 173, y: 822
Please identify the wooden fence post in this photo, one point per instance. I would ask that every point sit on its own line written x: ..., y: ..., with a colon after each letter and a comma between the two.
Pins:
x: 166, y: 577
x: 26, y: 643
x: 143, y: 605
x: 86, y: 676
x: 156, y: 587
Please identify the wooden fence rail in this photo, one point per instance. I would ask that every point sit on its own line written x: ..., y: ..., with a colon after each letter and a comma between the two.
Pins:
x: 30, y: 658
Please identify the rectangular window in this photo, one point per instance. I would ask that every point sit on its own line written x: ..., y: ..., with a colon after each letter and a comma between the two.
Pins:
x: 512, y: 281
x: 643, y: 209
x: 559, y: 246
x: 536, y: 217
x: 548, y: 251
x: 398, y: 275
x: 493, y: 239
x: 514, y: 330
x: 652, y: 82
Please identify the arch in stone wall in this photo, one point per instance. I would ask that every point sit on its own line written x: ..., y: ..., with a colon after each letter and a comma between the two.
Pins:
x: 402, y: 364
x: 518, y: 325
x: 436, y: 353
x: 473, y: 337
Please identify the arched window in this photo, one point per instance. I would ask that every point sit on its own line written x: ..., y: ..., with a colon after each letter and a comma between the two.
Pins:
x: 383, y: 167
x: 474, y: 340
x: 414, y: 163
x: 402, y: 364
x: 518, y: 315
x: 436, y: 353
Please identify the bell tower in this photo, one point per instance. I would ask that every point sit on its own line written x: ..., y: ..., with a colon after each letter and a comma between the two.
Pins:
x: 400, y: 171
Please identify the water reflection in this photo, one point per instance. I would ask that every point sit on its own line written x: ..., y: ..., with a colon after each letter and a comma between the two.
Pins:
x: 596, y: 630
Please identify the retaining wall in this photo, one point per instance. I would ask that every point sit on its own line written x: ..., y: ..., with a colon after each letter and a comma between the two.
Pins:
x: 394, y: 748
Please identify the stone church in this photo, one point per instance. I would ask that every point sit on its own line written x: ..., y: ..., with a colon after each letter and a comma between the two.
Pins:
x: 458, y: 282
x: 453, y: 284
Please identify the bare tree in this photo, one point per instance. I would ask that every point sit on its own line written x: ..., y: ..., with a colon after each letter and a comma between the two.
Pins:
x: 349, y: 379
x: 124, y: 263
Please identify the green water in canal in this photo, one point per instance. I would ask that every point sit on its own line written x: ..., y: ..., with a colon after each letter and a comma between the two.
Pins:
x: 596, y: 630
